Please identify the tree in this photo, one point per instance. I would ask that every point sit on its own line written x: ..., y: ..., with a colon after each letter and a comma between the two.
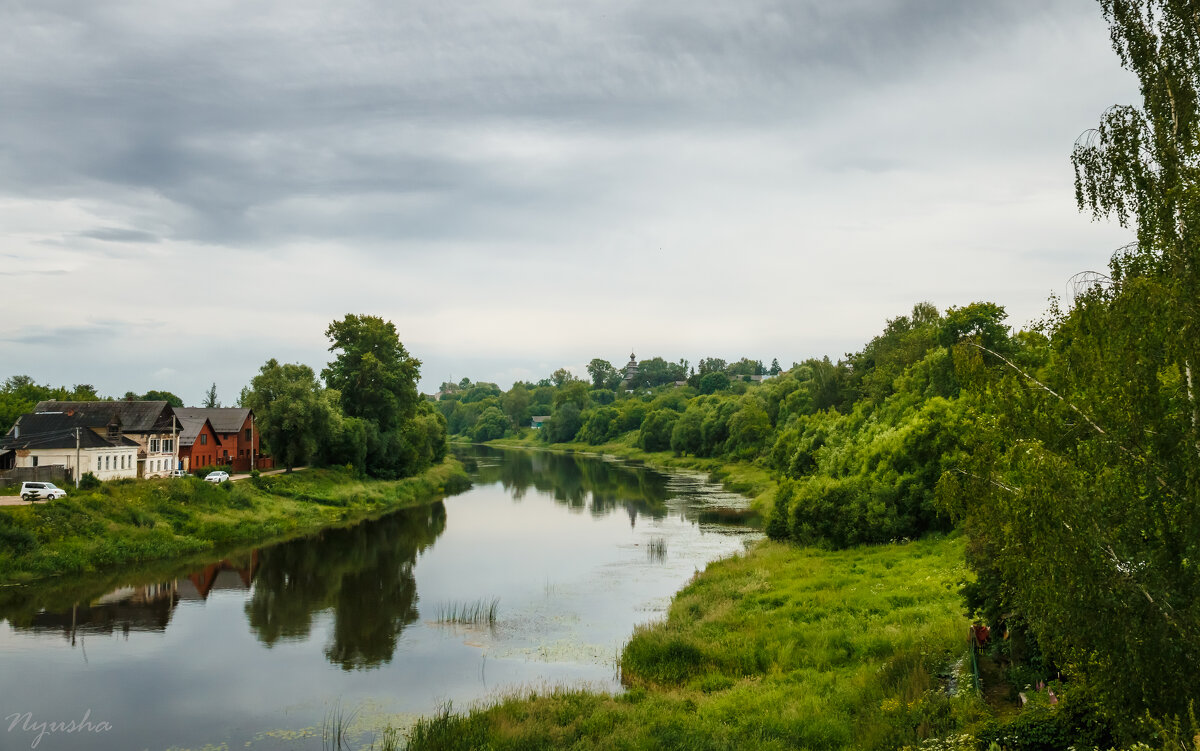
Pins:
x: 655, y: 433
x: 745, y: 367
x: 290, y: 410
x: 564, y: 424
x: 373, y: 372
x: 713, y: 382
x: 210, y: 397
x: 711, y: 365
x: 602, y: 372
x: 775, y: 369
x: 575, y: 392
x: 1080, y: 488
x: 562, y: 377
x: 658, y: 372
x: 491, y: 424
x: 516, y: 404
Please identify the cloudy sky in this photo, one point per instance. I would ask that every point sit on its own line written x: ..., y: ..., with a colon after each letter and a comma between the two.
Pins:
x: 189, y: 189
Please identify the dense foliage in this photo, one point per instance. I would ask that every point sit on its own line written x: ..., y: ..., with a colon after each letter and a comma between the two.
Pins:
x: 368, y: 414
x: 1081, y: 493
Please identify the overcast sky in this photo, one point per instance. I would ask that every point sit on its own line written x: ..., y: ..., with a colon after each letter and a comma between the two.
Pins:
x: 189, y: 189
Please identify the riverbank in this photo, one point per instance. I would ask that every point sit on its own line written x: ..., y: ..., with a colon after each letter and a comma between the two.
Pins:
x: 745, y: 478
x: 134, y: 521
x: 783, y: 647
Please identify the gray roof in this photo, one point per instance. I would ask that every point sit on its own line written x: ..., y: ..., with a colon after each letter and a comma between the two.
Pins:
x: 223, y: 419
x: 132, y: 416
x: 53, y: 432
x: 190, y: 427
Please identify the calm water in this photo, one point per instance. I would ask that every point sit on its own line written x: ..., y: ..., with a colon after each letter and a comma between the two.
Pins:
x: 255, y: 650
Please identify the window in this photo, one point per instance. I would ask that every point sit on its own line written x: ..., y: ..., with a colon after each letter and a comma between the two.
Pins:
x: 226, y: 453
x: 114, y: 430
x: 249, y: 435
x: 203, y: 440
x: 154, y: 445
x: 35, y: 463
x: 168, y: 445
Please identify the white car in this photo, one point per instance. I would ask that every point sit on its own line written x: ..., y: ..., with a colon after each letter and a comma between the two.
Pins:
x: 39, y: 491
x: 178, y: 473
x: 218, y: 476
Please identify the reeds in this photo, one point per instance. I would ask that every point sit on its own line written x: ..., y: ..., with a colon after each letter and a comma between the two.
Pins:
x: 656, y: 549
x: 335, y: 734
x: 481, y: 612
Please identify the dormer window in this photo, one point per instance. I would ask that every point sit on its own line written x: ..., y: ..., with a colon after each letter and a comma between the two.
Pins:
x: 114, y: 430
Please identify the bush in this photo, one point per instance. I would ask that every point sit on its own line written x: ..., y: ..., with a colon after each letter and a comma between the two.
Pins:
x: 655, y: 434
x: 16, y: 539
x: 88, y: 481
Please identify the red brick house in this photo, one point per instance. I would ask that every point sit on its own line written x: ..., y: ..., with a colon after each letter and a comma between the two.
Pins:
x: 237, y: 439
x: 198, y: 443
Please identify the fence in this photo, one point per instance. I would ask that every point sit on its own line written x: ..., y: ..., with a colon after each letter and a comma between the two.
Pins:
x: 56, y: 473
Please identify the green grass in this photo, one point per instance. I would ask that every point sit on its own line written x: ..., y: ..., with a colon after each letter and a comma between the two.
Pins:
x: 780, y: 648
x: 134, y: 521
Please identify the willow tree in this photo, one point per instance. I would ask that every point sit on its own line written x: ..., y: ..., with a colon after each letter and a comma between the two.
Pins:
x: 1080, y: 489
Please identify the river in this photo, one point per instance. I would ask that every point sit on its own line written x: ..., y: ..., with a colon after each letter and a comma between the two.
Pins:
x: 261, y: 647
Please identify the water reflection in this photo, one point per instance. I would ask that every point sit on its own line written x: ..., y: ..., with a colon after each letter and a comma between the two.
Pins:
x: 249, y: 648
x: 363, y: 575
x: 579, y: 482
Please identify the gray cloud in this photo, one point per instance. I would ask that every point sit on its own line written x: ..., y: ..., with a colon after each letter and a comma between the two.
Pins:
x: 591, y: 172
x: 118, y: 235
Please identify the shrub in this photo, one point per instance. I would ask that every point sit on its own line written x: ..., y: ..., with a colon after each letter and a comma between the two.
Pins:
x: 655, y: 434
x: 88, y: 481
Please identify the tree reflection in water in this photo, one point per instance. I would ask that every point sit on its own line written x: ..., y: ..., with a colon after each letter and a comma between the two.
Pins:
x: 362, y: 574
x: 576, y: 480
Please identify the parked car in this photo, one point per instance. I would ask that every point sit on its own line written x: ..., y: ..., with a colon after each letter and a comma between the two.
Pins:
x: 37, y: 491
x: 218, y: 476
x: 178, y: 473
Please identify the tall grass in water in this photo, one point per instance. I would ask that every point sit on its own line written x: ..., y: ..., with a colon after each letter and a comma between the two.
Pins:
x: 335, y: 734
x: 477, y: 613
x: 656, y: 549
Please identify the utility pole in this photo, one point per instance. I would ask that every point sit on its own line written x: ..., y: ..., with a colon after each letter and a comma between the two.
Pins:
x: 77, y: 458
x: 174, y: 443
x: 253, y: 466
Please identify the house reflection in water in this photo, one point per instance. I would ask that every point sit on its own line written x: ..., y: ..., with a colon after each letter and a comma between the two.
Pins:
x: 145, y: 607
x: 230, y: 574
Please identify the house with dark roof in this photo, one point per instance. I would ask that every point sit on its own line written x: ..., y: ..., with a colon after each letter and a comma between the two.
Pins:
x: 42, y: 440
x: 149, y: 424
x: 236, y: 435
x: 199, y: 445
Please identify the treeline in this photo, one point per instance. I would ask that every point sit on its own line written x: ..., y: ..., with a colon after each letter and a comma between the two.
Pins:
x: 363, y: 412
x: 858, y: 444
x: 1068, y: 452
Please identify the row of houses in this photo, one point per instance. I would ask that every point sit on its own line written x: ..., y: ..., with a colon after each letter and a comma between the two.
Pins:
x: 115, y: 439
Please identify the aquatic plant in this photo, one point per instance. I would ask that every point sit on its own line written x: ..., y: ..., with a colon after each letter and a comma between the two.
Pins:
x: 335, y: 728
x: 475, y: 613
x: 656, y: 549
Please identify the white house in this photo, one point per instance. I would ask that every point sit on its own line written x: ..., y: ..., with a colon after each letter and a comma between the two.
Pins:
x: 81, y: 450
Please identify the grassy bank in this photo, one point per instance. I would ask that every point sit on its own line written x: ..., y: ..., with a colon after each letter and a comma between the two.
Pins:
x: 133, y: 521
x: 747, y: 478
x: 780, y: 648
